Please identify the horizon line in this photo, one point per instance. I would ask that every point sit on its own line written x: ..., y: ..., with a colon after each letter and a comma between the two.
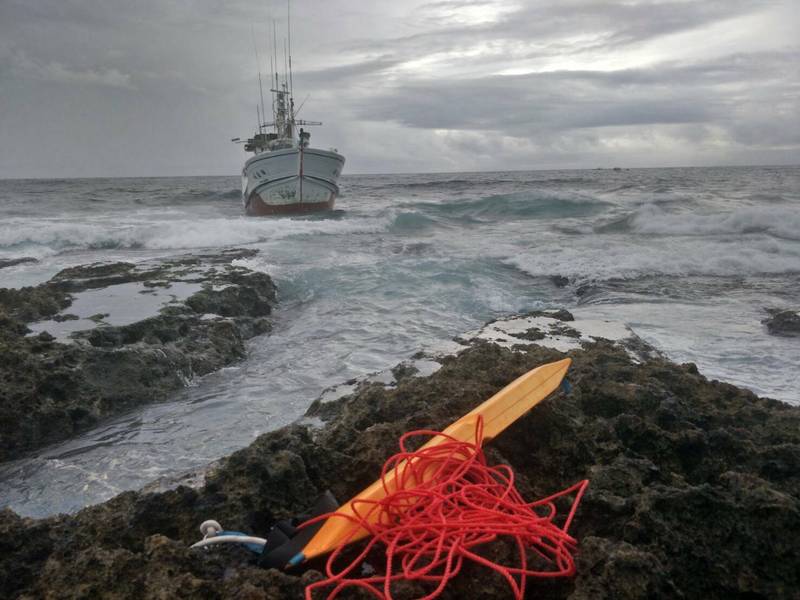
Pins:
x: 388, y: 173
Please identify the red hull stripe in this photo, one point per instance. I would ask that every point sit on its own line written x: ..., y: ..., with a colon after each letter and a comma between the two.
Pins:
x: 257, y: 207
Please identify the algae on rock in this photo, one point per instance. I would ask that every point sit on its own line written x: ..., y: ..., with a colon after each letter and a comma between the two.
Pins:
x: 695, y: 489
x: 52, y: 388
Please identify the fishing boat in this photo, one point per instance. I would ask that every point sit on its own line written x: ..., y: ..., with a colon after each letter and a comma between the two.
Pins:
x: 286, y: 175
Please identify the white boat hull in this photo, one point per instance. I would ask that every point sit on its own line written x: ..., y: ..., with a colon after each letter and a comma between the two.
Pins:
x: 291, y: 181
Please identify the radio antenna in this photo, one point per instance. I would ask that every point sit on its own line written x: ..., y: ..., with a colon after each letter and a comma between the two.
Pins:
x: 260, y: 86
x: 285, y: 64
x: 275, y: 49
x: 289, y: 35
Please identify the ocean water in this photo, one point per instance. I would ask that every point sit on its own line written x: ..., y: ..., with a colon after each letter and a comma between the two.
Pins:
x: 688, y: 258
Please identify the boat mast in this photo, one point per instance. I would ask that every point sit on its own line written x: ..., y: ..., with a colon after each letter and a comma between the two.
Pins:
x: 271, y: 71
x: 287, y: 95
x: 284, y: 119
x: 283, y: 111
x: 289, y: 36
x: 261, y: 92
x: 283, y: 102
x: 276, y: 101
x: 260, y: 85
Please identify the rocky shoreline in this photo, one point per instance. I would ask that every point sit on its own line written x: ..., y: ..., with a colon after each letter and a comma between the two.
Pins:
x: 77, y: 349
x: 695, y: 484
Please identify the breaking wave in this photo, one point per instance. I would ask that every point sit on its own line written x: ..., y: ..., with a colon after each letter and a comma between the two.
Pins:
x: 47, y: 238
x: 482, y: 182
x: 592, y: 259
x: 782, y: 222
x: 514, y: 206
x: 779, y: 222
x: 411, y: 222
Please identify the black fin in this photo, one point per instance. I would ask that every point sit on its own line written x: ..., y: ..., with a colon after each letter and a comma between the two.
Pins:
x: 284, y: 541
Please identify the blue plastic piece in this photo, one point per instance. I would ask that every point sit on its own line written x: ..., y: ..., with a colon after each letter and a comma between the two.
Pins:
x: 297, y: 559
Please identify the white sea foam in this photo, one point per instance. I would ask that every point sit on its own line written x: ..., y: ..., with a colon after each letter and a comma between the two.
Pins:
x: 47, y: 237
x: 595, y: 258
x: 781, y: 221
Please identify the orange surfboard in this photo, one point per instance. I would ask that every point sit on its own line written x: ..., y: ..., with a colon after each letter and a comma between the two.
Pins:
x: 498, y: 412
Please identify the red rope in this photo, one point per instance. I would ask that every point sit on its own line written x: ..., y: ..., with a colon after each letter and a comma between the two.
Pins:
x: 444, y: 503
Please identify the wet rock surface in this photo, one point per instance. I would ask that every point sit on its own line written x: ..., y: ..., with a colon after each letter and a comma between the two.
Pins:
x: 53, y: 386
x: 11, y: 262
x: 695, y: 489
x: 784, y: 323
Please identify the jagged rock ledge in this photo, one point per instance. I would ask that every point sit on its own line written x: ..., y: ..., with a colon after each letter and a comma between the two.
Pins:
x: 97, y: 340
x: 695, y: 486
x: 784, y: 323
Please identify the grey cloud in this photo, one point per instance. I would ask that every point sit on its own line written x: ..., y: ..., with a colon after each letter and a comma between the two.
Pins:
x: 560, y: 100
x: 607, y: 25
x: 165, y: 75
x: 347, y: 72
x: 21, y: 65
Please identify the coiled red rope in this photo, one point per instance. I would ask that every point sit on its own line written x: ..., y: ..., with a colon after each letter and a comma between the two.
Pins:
x: 445, y: 502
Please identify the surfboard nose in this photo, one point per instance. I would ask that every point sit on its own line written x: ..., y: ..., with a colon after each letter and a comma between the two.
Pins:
x: 498, y: 412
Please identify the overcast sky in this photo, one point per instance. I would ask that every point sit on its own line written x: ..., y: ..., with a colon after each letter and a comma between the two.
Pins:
x: 158, y: 87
